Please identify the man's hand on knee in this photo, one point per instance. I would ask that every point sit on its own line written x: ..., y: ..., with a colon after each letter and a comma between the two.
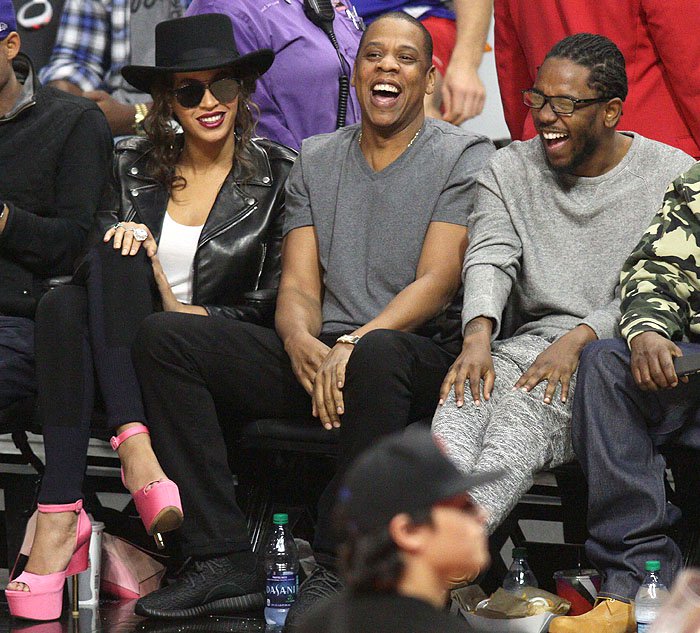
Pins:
x: 557, y: 364
x: 652, y: 361
x: 306, y: 354
x: 328, y: 404
x: 473, y: 365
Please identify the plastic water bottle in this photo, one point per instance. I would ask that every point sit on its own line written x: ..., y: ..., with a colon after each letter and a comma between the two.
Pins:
x: 650, y: 597
x: 281, y: 565
x: 519, y: 573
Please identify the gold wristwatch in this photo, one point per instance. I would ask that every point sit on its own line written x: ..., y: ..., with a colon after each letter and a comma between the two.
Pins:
x: 350, y: 339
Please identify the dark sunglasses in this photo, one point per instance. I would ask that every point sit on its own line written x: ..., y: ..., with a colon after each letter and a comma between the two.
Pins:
x: 224, y: 90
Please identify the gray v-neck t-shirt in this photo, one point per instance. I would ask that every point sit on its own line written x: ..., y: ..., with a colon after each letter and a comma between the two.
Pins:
x: 371, y: 225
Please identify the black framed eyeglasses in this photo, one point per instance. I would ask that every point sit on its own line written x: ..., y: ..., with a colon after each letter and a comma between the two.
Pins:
x: 225, y: 90
x: 560, y: 105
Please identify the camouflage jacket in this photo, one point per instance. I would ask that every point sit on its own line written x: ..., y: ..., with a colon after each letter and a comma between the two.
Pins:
x: 661, y: 278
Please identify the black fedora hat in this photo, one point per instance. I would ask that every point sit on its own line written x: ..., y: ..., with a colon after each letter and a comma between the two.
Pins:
x: 198, y: 42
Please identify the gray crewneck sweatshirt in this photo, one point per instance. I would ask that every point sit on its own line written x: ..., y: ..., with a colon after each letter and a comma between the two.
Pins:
x: 546, y: 250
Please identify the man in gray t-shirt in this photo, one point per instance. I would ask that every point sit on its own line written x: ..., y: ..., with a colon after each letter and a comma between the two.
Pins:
x: 374, y: 234
x: 371, y: 226
x: 554, y: 220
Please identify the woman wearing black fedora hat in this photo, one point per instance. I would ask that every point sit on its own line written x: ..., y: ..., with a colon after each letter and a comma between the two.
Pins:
x: 193, y: 224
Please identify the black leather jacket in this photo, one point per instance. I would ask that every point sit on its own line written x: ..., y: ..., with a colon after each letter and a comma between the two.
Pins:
x: 238, y: 259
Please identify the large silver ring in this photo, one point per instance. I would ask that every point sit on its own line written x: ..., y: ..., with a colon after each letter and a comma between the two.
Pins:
x: 140, y: 235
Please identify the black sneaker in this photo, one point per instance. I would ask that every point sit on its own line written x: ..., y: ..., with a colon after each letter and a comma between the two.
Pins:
x: 321, y: 584
x: 207, y: 624
x: 210, y: 587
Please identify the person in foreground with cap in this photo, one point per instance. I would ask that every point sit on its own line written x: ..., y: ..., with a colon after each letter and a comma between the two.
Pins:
x: 198, y: 231
x: 409, y: 526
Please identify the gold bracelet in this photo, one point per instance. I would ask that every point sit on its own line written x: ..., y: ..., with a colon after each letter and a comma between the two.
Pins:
x: 141, y: 110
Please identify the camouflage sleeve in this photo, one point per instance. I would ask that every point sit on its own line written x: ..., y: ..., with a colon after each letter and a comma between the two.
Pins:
x: 660, y: 279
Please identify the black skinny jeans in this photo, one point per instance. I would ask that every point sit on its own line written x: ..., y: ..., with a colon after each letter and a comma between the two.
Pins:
x: 199, y: 374
x: 84, y: 331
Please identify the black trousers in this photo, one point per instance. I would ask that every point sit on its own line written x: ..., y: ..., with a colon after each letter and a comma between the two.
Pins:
x: 84, y: 334
x: 17, y: 380
x: 199, y: 373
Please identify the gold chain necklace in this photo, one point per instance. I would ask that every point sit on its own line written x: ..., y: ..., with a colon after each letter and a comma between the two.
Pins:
x: 415, y: 136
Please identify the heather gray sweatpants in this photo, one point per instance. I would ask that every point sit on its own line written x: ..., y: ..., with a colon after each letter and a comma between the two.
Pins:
x: 514, y: 432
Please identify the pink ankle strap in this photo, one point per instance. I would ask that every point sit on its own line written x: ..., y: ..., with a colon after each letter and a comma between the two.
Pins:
x: 116, y: 441
x: 61, y: 507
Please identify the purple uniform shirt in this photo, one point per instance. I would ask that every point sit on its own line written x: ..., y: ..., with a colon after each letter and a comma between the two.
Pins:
x: 298, y: 96
x: 372, y: 9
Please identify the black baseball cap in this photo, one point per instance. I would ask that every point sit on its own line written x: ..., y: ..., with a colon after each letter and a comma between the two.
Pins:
x: 404, y: 472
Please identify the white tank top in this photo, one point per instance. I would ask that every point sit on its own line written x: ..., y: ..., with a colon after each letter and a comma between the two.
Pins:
x: 176, y: 250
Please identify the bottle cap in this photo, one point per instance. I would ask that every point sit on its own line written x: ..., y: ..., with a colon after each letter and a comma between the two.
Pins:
x: 652, y: 565
x: 280, y: 519
x: 519, y: 552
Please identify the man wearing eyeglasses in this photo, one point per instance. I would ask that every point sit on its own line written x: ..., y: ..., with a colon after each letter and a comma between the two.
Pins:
x: 553, y: 222
x: 664, y: 87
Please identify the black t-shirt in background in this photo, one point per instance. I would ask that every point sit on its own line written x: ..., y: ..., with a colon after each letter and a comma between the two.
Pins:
x: 379, y: 613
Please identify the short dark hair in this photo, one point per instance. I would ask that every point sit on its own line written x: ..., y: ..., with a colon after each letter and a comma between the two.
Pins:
x: 372, y: 561
x: 601, y: 56
x: 400, y: 15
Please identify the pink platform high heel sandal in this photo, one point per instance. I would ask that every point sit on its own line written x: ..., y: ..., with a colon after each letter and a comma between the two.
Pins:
x: 158, y: 503
x: 44, y: 600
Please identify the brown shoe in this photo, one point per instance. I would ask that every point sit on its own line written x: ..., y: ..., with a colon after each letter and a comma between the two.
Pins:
x: 608, y: 616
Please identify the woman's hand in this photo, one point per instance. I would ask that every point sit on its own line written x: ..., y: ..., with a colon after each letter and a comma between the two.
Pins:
x: 167, y: 297
x: 125, y: 236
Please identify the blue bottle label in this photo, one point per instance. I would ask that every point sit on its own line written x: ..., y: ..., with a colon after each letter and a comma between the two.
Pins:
x: 281, y: 590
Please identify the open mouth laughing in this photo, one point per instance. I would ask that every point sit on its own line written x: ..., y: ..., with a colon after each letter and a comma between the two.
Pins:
x: 554, y: 139
x: 385, y: 94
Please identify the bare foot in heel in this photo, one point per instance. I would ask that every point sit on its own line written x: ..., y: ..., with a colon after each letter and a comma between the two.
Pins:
x: 139, y: 462
x: 53, y: 546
